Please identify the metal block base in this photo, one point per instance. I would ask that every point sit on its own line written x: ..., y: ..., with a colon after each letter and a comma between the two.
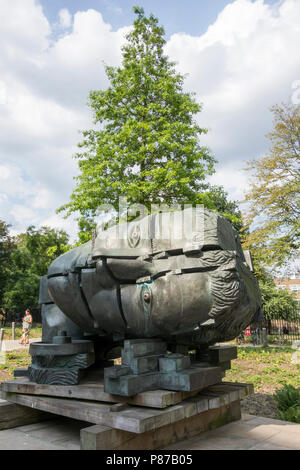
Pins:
x: 147, y: 366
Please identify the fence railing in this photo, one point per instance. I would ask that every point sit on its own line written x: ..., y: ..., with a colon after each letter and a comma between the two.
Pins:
x: 277, y: 331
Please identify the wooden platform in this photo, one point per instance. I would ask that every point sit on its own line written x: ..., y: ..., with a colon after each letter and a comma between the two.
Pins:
x: 124, y: 416
x: 149, y: 420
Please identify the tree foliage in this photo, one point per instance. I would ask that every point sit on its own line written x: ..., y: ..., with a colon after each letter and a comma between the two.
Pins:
x: 33, y: 252
x: 276, y: 303
x: 274, y: 194
x: 145, y: 146
x: 6, y: 247
x: 215, y: 198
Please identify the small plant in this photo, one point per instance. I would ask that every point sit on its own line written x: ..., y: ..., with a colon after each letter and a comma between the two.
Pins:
x: 288, y: 403
x: 286, y: 397
x: 291, y: 414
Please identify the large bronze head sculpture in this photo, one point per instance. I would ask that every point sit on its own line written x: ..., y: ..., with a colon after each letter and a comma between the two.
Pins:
x: 179, y: 276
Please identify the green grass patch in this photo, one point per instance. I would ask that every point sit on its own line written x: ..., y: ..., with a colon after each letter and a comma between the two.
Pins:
x: 267, y: 368
x: 14, y: 360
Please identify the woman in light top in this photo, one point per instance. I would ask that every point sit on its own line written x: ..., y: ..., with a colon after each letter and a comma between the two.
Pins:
x: 26, y: 327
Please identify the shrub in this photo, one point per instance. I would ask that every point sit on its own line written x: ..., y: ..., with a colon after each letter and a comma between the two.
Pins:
x: 288, y: 403
x: 291, y: 414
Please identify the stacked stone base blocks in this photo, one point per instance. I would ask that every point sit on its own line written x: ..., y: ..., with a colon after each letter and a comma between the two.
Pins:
x: 147, y: 366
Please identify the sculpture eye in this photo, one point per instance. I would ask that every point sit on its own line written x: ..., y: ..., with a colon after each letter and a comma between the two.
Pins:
x: 146, y: 297
x: 134, y: 235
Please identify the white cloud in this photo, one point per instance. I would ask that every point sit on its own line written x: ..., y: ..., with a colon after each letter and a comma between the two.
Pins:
x: 65, y: 18
x: 3, y: 93
x: 23, y: 28
x: 11, y: 181
x: 90, y: 42
x: 43, y: 89
x: 23, y: 213
x: 245, y: 62
x: 233, y: 180
x: 60, y: 223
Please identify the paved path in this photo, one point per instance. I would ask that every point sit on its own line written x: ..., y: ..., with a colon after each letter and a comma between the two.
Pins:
x: 251, y: 433
x: 57, y: 434
x: 12, y: 345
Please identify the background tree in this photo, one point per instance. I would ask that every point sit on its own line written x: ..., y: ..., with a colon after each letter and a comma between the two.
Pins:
x: 34, y: 251
x: 277, y: 304
x: 146, y: 146
x: 6, y: 247
x: 274, y: 194
x: 215, y: 198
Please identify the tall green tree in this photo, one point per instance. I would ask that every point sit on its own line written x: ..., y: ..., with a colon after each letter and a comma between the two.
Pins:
x: 145, y: 146
x: 274, y: 193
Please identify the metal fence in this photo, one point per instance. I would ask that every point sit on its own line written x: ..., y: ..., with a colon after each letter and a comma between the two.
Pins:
x: 278, y: 331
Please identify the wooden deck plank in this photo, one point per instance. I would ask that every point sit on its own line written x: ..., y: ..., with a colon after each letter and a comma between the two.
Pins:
x: 133, y: 418
x: 90, y: 389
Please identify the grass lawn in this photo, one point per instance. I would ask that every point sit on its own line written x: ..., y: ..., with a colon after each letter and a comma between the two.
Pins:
x: 19, y: 358
x: 12, y: 360
x: 268, y: 369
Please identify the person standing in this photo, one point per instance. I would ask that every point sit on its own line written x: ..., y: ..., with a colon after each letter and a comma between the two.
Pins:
x: 26, y: 327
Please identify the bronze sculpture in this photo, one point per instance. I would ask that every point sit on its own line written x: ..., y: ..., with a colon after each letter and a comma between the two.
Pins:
x: 180, y: 277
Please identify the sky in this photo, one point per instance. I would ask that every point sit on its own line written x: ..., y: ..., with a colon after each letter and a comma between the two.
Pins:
x: 241, y: 58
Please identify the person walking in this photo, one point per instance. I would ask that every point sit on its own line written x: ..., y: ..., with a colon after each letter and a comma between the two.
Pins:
x: 26, y: 327
x: 240, y: 339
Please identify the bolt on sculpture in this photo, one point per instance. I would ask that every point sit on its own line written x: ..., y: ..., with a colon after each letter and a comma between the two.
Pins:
x: 172, y: 281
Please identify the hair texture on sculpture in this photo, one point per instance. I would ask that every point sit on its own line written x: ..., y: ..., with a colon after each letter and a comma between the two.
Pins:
x: 225, y: 282
x: 230, y: 295
x: 225, y: 289
x: 230, y: 300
